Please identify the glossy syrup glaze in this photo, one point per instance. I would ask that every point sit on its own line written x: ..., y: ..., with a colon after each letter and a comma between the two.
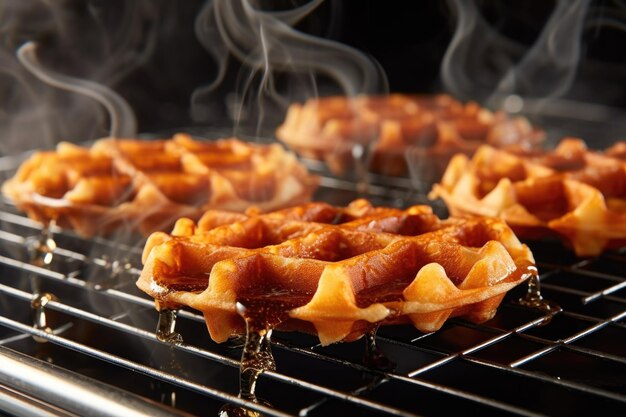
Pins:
x: 533, y: 298
x: 256, y: 357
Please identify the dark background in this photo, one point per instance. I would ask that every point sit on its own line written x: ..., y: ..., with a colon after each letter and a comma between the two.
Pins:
x: 148, y: 52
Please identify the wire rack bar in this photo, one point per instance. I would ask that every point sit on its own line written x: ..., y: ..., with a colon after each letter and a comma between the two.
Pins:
x: 221, y: 359
x: 146, y: 370
x: 70, y: 391
x: 182, y: 346
x: 544, y: 378
x: 416, y: 377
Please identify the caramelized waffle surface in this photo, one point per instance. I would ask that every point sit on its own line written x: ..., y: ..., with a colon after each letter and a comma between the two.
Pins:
x: 426, y: 130
x: 147, y: 185
x: 337, y: 272
x: 572, y: 192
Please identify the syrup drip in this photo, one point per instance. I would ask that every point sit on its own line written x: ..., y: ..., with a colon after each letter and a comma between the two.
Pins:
x: 534, y: 299
x: 374, y: 357
x: 40, y: 321
x: 42, y: 249
x: 256, y: 358
x: 166, y: 328
x: 167, y: 361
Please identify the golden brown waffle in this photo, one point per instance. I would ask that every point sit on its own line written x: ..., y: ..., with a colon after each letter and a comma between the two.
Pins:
x: 147, y: 185
x: 571, y: 191
x: 426, y: 130
x: 335, y: 272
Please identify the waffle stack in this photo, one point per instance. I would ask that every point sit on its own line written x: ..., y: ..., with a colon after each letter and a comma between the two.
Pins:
x: 147, y: 185
x: 333, y: 271
x: 572, y: 192
x: 426, y: 130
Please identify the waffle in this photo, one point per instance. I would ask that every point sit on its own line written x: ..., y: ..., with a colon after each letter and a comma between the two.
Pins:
x: 331, y: 271
x: 147, y: 185
x: 571, y: 192
x: 425, y: 130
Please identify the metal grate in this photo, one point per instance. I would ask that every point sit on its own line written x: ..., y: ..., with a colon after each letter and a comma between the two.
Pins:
x: 522, y: 362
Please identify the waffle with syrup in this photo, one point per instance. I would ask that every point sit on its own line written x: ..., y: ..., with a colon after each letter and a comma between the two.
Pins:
x: 571, y: 191
x: 146, y: 185
x: 337, y: 272
x: 425, y: 130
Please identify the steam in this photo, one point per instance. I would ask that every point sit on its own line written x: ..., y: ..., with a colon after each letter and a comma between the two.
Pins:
x: 79, y: 47
x: 123, y: 123
x: 20, y: 112
x: 481, y: 64
x: 269, y: 48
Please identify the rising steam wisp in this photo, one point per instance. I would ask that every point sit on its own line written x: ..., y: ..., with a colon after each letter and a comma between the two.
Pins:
x: 123, y: 123
x: 484, y: 65
x: 271, y: 50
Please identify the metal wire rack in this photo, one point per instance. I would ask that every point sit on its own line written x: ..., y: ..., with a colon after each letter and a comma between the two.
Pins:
x: 77, y: 338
